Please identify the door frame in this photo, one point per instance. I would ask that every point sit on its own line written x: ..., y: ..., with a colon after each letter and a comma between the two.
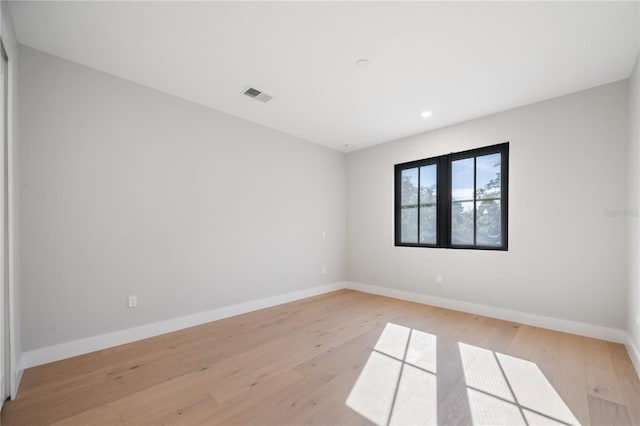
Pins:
x: 5, y: 343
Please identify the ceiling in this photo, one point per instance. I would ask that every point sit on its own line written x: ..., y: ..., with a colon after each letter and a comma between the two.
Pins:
x: 459, y: 60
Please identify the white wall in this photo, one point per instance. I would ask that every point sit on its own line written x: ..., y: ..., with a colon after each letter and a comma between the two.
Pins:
x: 126, y: 190
x: 634, y: 213
x: 567, y: 231
x: 11, y: 48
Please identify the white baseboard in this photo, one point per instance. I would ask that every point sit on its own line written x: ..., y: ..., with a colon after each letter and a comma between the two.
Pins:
x: 567, y: 326
x: 634, y: 354
x: 78, y: 347
x: 90, y: 344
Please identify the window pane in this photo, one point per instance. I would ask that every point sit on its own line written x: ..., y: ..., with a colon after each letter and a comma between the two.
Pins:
x: 428, y: 224
x: 488, y: 180
x: 409, y: 224
x: 428, y: 184
x: 462, y: 180
x: 428, y: 189
x: 488, y: 223
x: 409, y: 196
x: 462, y: 223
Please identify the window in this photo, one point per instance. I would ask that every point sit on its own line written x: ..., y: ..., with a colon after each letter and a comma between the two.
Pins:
x: 455, y: 201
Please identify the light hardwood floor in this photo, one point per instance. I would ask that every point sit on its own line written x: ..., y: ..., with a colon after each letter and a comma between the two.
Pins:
x: 340, y: 358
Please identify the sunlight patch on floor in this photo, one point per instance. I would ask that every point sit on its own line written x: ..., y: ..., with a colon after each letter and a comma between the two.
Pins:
x: 502, y: 389
x: 488, y: 410
x: 416, y: 400
x: 372, y: 395
x: 398, y: 383
x: 482, y: 372
x: 532, y: 390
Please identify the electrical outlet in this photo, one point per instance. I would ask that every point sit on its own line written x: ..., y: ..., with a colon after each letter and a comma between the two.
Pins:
x: 133, y: 301
x: 324, y: 269
x: 438, y: 279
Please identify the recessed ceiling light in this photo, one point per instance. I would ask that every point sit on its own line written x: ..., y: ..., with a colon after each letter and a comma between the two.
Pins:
x: 361, y: 63
x: 426, y: 114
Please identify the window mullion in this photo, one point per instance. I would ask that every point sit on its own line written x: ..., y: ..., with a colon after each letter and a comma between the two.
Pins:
x: 418, y: 207
x: 474, y: 201
x: 445, y: 211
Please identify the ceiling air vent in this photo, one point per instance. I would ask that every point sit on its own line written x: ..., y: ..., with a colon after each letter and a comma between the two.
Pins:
x: 257, y: 94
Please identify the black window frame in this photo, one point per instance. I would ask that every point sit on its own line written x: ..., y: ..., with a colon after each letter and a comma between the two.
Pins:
x: 444, y: 201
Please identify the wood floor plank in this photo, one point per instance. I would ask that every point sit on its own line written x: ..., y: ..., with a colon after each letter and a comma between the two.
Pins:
x: 570, y: 377
x: 523, y: 343
x: 299, y: 363
x: 454, y: 409
x: 546, y: 351
x: 604, y: 412
x: 300, y: 400
x: 601, y: 376
x: 628, y: 380
x: 251, y: 396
